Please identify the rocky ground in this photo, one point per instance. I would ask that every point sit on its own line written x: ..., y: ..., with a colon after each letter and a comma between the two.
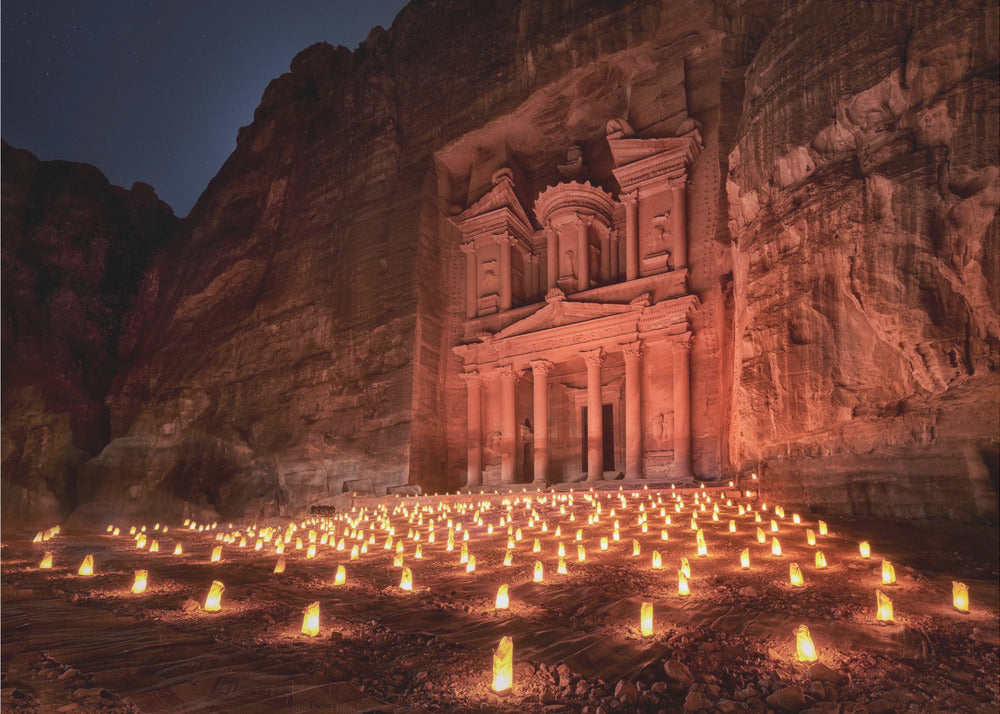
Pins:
x: 86, y: 644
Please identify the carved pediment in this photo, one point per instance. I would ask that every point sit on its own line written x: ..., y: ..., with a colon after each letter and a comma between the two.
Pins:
x: 559, y: 312
x: 501, y: 200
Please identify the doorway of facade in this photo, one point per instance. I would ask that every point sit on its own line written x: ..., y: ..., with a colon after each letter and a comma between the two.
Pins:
x: 608, y: 437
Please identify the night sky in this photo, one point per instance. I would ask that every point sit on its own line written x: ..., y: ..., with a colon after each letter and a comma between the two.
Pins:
x: 155, y: 91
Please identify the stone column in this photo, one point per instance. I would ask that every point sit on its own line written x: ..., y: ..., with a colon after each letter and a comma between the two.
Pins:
x: 682, y: 406
x: 678, y: 224
x: 583, y: 251
x: 540, y: 373
x: 632, y: 353
x: 471, y: 280
x: 474, y: 402
x: 616, y: 269
x: 605, y: 276
x: 506, y: 275
x: 631, y: 201
x: 508, y: 424
x: 595, y: 427
x: 551, y: 257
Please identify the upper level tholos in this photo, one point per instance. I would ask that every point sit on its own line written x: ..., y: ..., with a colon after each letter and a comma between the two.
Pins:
x: 579, y: 236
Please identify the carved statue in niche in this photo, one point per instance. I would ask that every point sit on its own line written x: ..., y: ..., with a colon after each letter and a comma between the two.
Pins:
x: 493, y: 442
x: 491, y: 282
x: 527, y: 436
x: 573, y: 169
x: 659, y: 234
x: 660, y: 433
x: 568, y: 267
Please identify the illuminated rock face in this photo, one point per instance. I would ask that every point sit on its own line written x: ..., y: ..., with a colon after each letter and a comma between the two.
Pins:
x: 335, y: 307
x: 863, y: 193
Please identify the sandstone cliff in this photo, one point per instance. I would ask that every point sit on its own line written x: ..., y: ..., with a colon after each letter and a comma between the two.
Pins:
x: 296, y: 341
x: 74, y: 251
x: 863, y: 191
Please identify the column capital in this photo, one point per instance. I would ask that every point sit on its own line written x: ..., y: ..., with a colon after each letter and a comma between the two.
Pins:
x: 681, y: 342
x: 593, y: 357
x: 472, y: 376
x: 585, y: 218
x: 629, y: 199
x: 678, y: 183
x: 503, y: 238
x: 469, y: 247
x: 506, y: 371
x: 541, y: 366
x: 632, y: 349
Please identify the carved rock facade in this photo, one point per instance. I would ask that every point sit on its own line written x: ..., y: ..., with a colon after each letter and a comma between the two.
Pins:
x: 536, y: 209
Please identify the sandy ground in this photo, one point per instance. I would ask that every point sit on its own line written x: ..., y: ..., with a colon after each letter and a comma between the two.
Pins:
x: 74, y: 643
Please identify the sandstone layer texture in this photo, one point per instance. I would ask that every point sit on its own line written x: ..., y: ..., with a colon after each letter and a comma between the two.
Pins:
x: 74, y: 250
x: 863, y: 191
x: 293, y: 344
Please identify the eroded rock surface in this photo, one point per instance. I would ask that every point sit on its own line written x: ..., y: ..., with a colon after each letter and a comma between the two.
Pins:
x: 863, y: 196
x: 296, y: 343
x: 74, y: 250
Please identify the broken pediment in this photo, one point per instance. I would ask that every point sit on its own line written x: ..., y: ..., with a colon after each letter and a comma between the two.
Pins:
x: 499, y: 204
x: 559, y: 312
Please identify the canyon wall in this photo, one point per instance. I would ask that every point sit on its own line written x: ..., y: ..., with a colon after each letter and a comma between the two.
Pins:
x: 74, y: 250
x: 863, y: 192
x: 294, y: 343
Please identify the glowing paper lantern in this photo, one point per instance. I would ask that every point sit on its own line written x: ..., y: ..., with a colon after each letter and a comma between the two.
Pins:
x: 810, y: 536
x: 213, y: 603
x: 154, y: 547
x: 732, y: 526
x: 503, y: 600
x: 279, y: 567
x: 562, y: 550
x: 581, y: 553
x: 702, y: 546
x: 471, y: 565
x: 503, y: 666
x: 683, y: 588
x: 884, y: 605
x: 959, y: 596
x: 635, y: 547
x: 775, y: 547
x: 178, y: 549
x: 822, y: 528
x: 340, y: 577
x: 419, y: 552
x: 795, y: 575
x: 805, y: 651
x: 888, y: 573
x: 46, y: 563
x: 686, y: 567
x: 820, y: 559
x: 561, y: 568
x: 539, y: 575
x: 865, y: 548
x: 464, y: 557
x: 406, y: 580
x: 216, y: 554
x: 604, y: 543
x: 397, y: 561
x: 745, y: 559
x: 774, y: 526
x: 657, y: 560
x: 310, y: 620
x: 761, y: 536
x: 87, y: 566
x: 508, y: 559
x: 646, y: 619
x: 537, y: 547
x: 311, y: 552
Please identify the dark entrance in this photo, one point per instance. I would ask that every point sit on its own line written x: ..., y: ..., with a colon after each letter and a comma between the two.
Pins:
x: 608, y: 434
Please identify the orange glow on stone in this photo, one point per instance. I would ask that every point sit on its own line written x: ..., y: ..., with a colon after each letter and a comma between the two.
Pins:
x: 646, y: 619
x: 960, y: 596
x: 884, y: 605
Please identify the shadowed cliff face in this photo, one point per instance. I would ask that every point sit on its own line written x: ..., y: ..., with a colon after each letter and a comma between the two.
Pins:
x: 74, y: 251
x: 294, y: 343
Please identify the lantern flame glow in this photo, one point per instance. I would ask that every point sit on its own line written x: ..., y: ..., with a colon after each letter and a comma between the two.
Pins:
x: 646, y: 619
x: 884, y: 605
x: 310, y: 620
x: 960, y: 596
x: 805, y: 650
x: 139, y: 584
x: 213, y: 603
x: 87, y: 566
x: 503, y: 599
x: 503, y: 666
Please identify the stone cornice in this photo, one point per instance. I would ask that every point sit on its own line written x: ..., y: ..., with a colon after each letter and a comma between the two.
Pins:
x: 573, y: 198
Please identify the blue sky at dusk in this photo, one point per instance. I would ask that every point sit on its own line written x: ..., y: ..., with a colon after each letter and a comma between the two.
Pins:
x: 156, y: 91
